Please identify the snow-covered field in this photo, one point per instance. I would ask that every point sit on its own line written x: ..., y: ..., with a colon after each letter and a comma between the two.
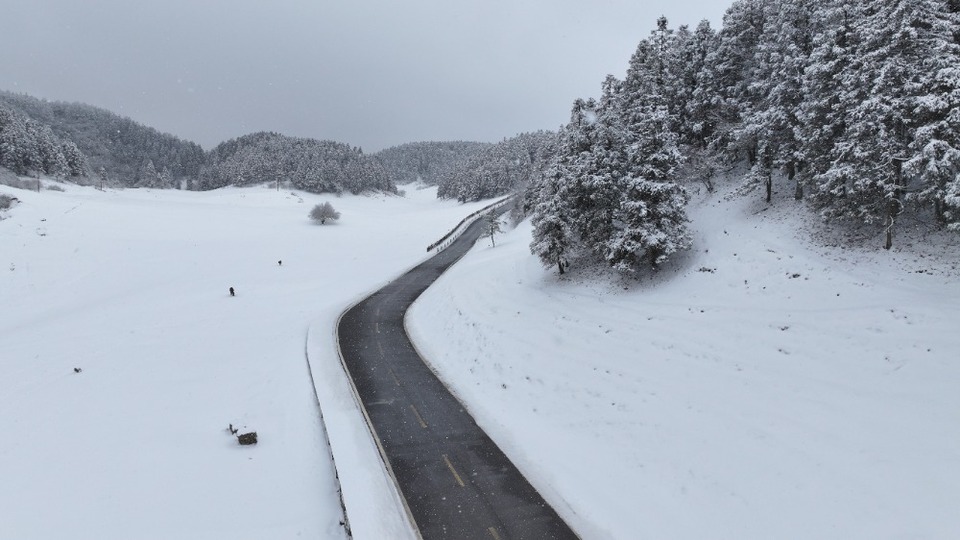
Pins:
x: 131, y: 287
x: 767, y: 387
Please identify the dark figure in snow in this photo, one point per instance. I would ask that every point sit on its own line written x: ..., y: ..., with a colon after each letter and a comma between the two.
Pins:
x: 279, y: 263
x: 231, y: 292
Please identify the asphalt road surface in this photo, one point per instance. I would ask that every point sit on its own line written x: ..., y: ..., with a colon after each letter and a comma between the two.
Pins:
x: 456, y: 481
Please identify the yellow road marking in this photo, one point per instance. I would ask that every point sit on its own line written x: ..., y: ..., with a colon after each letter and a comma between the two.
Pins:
x: 493, y: 533
x: 417, y: 414
x: 454, y: 471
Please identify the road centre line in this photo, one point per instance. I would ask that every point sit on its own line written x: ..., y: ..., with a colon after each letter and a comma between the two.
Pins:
x: 417, y: 414
x: 454, y: 471
x: 394, y: 375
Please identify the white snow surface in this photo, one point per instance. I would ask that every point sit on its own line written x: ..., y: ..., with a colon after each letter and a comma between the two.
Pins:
x: 767, y: 386
x: 764, y: 387
x: 131, y: 287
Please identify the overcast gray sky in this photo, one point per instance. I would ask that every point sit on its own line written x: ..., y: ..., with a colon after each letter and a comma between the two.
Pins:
x: 371, y: 73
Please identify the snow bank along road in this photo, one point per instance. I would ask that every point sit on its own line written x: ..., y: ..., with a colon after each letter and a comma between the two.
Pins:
x: 456, y: 481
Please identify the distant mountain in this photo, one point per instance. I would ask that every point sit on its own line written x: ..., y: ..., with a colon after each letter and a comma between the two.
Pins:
x: 308, y: 164
x: 73, y: 139
x: 130, y: 153
x: 429, y: 162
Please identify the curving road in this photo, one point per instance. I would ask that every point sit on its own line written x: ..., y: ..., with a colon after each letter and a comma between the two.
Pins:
x: 456, y: 481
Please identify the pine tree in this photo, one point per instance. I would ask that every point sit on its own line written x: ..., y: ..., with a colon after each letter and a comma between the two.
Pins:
x: 934, y: 165
x: 76, y: 161
x: 891, y: 103
x: 770, y: 119
x: 553, y: 240
x: 148, y: 177
x: 493, y: 228
x: 615, y: 168
x: 728, y: 73
x: 829, y: 91
x: 697, y: 120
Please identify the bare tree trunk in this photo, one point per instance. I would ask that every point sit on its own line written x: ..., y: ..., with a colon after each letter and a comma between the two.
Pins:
x: 792, y: 169
x: 939, y: 211
x: 895, y: 206
x: 560, y: 265
x: 890, y: 220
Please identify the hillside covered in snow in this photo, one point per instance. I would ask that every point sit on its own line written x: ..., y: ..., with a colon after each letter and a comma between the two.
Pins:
x: 764, y: 386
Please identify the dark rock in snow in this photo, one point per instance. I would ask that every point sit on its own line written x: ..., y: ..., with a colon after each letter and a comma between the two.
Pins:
x: 247, y: 438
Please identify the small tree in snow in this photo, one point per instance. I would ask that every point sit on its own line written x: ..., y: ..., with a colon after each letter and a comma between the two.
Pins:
x: 323, y: 212
x: 493, y: 228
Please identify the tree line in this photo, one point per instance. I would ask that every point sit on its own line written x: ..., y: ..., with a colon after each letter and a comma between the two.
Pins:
x: 80, y: 141
x: 73, y: 140
x: 307, y: 164
x: 427, y: 162
x: 853, y: 103
x: 27, y: 146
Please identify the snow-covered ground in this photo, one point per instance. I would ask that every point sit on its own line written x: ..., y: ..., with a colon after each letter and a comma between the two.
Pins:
x: 131, y: 287
x: 767, y: 387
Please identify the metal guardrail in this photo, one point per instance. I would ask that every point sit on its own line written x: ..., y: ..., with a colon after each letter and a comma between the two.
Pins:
x: 455, y: 233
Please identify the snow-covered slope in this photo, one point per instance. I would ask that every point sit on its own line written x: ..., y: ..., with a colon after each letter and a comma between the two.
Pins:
x: 767, y: 387
x: 131, y: 287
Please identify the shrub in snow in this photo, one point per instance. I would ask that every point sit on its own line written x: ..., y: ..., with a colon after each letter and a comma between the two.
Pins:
x: 6, y: 202
x: 323, y: 212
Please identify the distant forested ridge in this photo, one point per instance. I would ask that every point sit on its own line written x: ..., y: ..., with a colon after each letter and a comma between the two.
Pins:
x: 128, y: 153
x: 428, y: 162
x: 500, y: 168
x: 72, y: 139
x: 308, y: 164
x: 852, y: 106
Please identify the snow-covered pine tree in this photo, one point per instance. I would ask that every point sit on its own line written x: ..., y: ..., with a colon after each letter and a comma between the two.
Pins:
x: 164, y: 179
x: 697, y: 120
x: 553, y: 241
x: 148, y: 176
x: 563, y: 202
x: 728, y: 73
x: 887, y: 103
x: 829, y: 89
x: 493, y: 228
x: 934, y: 166
x: 770, y: 119
x: 592, y: 163
x: 650, y: 217
x: 76, y: 161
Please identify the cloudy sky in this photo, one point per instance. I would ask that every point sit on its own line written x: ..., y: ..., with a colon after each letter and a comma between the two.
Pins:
x: 371, y: 73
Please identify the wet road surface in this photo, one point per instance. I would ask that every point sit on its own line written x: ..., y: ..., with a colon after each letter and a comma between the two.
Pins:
x: 456, y: 481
